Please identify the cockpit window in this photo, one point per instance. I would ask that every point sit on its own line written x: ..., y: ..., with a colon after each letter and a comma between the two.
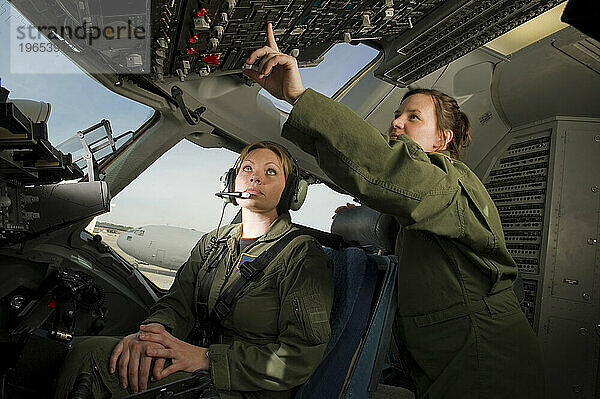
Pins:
x: 331, y: 74
x: 77, y: 101
x: 100, y: 140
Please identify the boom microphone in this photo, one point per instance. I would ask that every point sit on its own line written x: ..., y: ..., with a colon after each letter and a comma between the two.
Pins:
x: 235, y: 194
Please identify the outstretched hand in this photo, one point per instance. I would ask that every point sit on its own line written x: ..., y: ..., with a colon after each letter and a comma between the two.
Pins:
x: 184, y: 356
x: 277, y: 72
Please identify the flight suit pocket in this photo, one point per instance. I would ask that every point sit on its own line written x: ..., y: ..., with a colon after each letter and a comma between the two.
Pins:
x: 502, y: 304
x: 483, y: 209
x: 480, y: 226
x: 442, y: 346
x: 313, y: 317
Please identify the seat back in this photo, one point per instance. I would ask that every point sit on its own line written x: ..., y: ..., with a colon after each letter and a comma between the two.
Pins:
x: 355, y: 280
x: 363, y: 307
x: 367, y: 229
x: 364, y: 375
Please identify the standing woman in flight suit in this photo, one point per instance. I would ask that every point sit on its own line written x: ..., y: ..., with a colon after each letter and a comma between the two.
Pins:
x: 276, y: 332
x: 459, y: 326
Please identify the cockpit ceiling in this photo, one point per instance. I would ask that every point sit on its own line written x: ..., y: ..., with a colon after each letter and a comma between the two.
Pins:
x: 451, y: 30
x: 194, y: 38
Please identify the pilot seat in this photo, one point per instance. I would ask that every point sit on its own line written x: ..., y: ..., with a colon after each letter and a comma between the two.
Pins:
x: 361, y: 246
x: 365, y: 300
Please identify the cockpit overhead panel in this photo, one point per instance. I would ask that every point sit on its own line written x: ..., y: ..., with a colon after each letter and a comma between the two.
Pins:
x: 452, y: 30
x: 194, y: 37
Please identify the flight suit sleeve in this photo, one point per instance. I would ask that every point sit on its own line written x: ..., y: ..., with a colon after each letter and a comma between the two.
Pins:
x: 306, y: 296
x: 175, y: 310
x: 399, y: 180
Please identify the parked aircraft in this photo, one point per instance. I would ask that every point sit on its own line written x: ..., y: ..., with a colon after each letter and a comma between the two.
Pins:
x: 531, y: 87
x: 164, y: 246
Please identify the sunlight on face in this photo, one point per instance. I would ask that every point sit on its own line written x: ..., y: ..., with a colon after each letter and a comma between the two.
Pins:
x: 416, y: 118
x: 260, y: 174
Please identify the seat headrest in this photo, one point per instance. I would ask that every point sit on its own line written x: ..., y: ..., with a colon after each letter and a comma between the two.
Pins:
x: 363, y: 227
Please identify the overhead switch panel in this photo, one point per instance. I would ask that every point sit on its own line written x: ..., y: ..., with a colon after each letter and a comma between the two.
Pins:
x: 416, y: 36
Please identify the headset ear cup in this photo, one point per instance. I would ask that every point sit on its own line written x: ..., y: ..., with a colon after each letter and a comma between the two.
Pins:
x: 228, y: 181
x: 299, y: 195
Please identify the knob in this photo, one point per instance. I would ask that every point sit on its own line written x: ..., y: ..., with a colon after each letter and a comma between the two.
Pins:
x: 218, y: 31
x: 213, y: 43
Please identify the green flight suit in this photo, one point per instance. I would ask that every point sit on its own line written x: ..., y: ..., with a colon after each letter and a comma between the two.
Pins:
x: 458, y: 325
x: 274, y: 336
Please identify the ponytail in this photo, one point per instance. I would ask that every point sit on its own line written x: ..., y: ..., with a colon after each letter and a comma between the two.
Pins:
x: 462, y: 135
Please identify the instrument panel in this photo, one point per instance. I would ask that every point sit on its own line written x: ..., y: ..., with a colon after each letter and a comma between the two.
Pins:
x: 199, y: 38
x: 191, y: 39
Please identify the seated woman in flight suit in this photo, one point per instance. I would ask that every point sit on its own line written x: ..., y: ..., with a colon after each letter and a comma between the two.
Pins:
x: 459, y: 327
x: 276, y: 332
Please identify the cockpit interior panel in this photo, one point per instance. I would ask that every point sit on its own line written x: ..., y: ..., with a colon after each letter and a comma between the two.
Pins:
x: 418, y: 37
x: 195, y: 38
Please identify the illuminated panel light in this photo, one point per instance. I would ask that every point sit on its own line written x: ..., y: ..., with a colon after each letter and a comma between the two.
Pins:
x: 530, y: 32
x: 298, y: 30
x: 211, y: 59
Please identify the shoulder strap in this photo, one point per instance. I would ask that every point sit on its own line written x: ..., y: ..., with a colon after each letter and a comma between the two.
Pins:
x: 248, y: 271
x: 200, y: 335
x: 215, y: 254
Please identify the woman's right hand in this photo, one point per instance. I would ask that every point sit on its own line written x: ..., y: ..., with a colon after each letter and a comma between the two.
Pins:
x: 277, y: 72
x: 133, y: 363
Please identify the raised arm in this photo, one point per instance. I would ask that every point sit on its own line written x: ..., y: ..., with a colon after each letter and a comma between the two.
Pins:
x: 399, y: 180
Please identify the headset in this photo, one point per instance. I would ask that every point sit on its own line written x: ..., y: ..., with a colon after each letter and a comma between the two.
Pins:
x: 294, y: 192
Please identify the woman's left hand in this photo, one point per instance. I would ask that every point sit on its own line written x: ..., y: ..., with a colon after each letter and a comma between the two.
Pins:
x: 184, y: 356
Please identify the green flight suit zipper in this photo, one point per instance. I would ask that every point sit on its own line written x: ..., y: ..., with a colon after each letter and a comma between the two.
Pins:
x: 297, y: 306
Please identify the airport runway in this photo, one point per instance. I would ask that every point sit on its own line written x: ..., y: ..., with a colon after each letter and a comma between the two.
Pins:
x: 160, y: 276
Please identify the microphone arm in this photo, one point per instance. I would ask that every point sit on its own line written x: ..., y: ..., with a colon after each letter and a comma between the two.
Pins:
x: 235, y: 194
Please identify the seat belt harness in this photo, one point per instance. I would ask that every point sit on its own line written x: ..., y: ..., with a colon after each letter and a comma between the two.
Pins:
x: 248, y: 271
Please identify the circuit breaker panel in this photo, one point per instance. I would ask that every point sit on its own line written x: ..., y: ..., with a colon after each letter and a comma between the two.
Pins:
x: 517, y: 183
x: 545, y: 184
